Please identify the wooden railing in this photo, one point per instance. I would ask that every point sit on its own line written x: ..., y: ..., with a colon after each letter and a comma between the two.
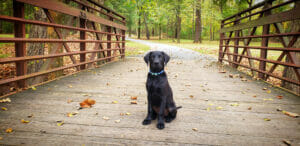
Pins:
x: 271, y: 25
x: 106, y: 28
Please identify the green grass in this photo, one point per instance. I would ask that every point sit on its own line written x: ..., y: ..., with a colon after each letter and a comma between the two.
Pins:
x: 212, y: 47
x: 134, y: 49
x: 10, y: 35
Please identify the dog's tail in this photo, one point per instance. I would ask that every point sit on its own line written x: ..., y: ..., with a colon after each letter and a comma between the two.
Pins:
x: 176, y: 108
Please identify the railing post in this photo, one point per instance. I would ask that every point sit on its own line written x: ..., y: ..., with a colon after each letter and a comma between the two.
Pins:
x: 20, y: 47
x: 123, y: 43
x: 236, y: 42
x: 109, y: 37
x: 221, y: 42
x: 264, y: 43
x: 82, y: 37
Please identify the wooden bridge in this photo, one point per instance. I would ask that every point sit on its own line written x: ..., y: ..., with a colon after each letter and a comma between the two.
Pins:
x: 221, y: 106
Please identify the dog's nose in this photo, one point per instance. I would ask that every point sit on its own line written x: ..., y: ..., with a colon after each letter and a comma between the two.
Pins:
x: 156, y: 63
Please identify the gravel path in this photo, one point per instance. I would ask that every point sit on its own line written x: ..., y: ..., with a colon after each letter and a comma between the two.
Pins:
x: 174, y: 51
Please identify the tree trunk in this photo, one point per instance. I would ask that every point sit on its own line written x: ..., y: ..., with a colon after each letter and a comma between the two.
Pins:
x: 152, y: 31
x: 146, y: 27
x: 36, y: 31
x: 198, y: 28
x: 139, y: 26
x: 210, y: 32
x: 129, y: 31
x: 159, y: 32
x: 178, y: 29
x: 288, y: 71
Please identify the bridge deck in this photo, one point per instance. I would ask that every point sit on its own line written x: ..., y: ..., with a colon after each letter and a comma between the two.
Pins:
x: 235, y: 116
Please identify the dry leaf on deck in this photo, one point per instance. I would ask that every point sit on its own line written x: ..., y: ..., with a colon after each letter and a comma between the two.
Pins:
x: 9, y: 130
x: 133, y: 102
x: 294, y: 115
x: 33, y: 88
x: 208, y: 109
x: 118, y: 121
x: 105, y: 118
x: 268, y: 99
x: 269, y: 91
x: 234, y: 104
x: 69, y: 101
x: 279, y: 97
x: 114, y: 102
x: 71, y: 114
x: 267, y: 119
x: 30, y: 116
x: 24, y: 121
x: 127, y: 113
x: 250, y: 108
x: 87, y: 103
x: 287, y: 142
x: 191, y: 96
x: 133, y: 97
x: 219, y: 108
x: 223, y: 71
x: 59, y: 123
x: 5, y: 100
x: 4, y: 108
x: 194, y: 129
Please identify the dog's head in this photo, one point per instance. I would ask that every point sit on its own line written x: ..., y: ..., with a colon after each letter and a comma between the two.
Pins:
x: 157, y: 60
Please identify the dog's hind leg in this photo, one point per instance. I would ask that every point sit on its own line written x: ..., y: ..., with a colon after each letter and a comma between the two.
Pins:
x: 171, y: 116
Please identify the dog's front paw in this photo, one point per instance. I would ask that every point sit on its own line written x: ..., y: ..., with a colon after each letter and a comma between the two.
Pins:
x: 160, y: 125
x: 146, y: 122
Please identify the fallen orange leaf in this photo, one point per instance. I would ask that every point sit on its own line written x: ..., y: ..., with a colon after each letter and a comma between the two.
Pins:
x: 9, y: 130
x: 87, y: 103
x: 133, y: 97
x: 279, y: 97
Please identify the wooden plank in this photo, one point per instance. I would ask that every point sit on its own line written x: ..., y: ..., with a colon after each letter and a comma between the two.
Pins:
x: 64, y: 8
x: 20, y: 47
x: 274, y: 18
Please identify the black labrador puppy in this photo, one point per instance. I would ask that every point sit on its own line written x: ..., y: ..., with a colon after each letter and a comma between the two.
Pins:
x: 160, y: 96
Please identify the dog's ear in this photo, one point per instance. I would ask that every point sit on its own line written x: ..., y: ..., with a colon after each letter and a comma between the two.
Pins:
x: 147, y: 57
x: 166, y: 57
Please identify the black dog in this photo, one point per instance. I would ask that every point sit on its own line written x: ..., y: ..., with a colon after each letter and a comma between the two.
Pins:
x: 160, y: 96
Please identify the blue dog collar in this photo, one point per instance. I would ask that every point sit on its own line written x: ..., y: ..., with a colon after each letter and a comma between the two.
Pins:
x: 156, y: 74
